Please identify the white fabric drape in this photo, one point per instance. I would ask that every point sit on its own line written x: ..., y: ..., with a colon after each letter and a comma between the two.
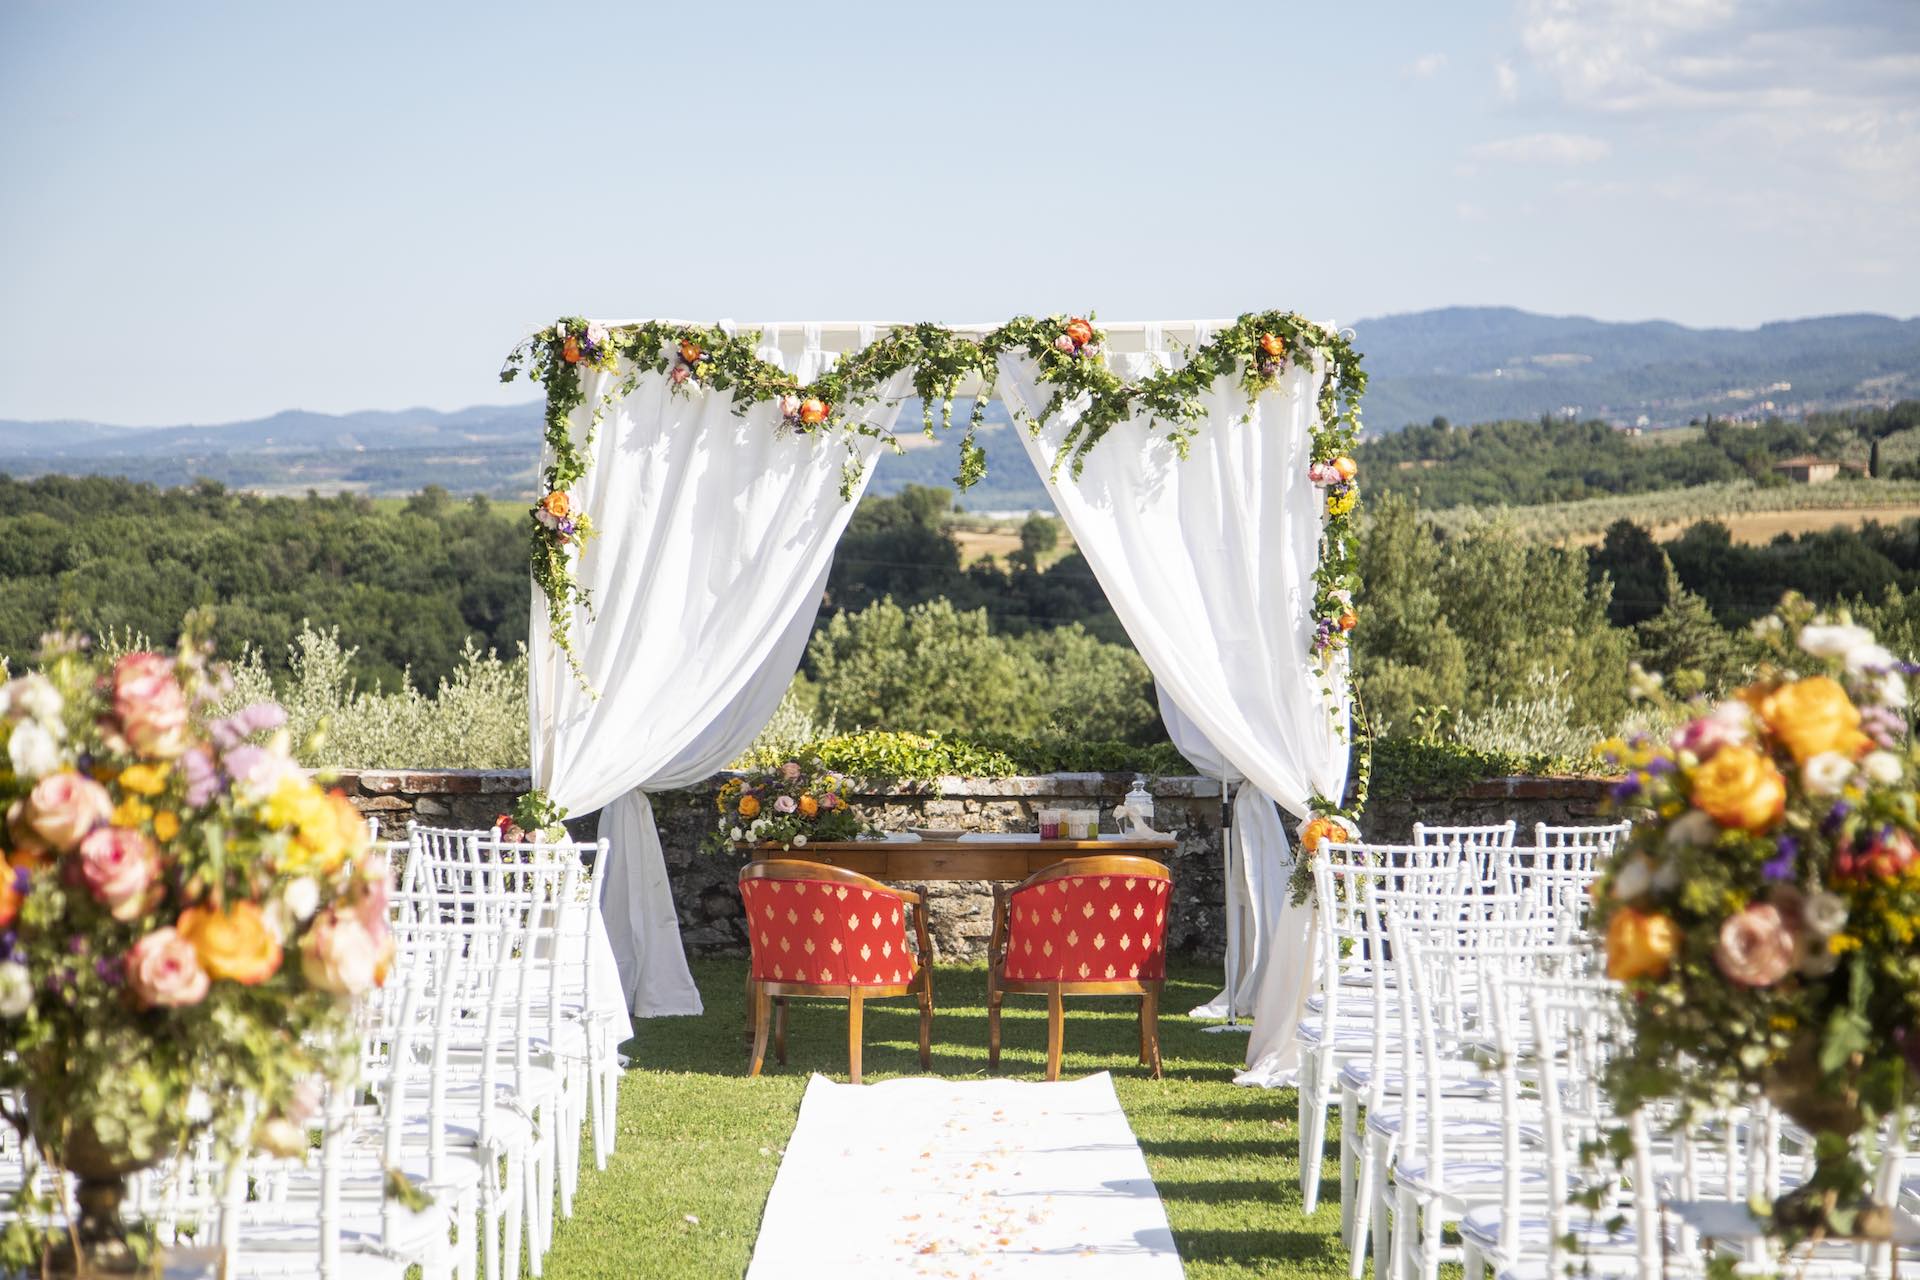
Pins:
x: 1209, y: 563
x: 1242, y: 875
x: 714, y: 531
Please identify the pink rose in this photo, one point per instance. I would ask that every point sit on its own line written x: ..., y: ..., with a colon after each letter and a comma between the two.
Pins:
x: 63, y: 807
x: 1323, y: 473
x: 163, y: 971
x: 150, y: 705
x: 1729, y: 724
x: 1756, y: 948
x: 831, y: 800
x: 340, y: 955
x: 116, y: 865
x: 785, y: 804
x: 256, y: 771
x: 790, y: 771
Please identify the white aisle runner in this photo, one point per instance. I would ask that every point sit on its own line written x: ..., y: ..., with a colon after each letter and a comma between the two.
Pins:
x: 964, y: 1179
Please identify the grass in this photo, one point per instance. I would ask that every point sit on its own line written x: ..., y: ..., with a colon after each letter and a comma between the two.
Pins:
x: 699, y: 1143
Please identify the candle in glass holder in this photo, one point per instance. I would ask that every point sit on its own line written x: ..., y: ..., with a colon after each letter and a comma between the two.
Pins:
x: 1049, y: 824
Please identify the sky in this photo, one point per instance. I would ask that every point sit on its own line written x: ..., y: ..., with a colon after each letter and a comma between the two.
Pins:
x: 211, y: 211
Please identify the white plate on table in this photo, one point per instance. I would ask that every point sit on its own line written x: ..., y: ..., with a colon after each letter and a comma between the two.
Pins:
x: 937, y: 833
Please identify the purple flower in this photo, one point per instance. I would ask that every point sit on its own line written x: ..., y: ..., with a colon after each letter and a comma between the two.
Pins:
x: 1660, y: 764
x: 1836, y: 816
x: 1626, y: 789
x: 203, y: 779
x: 22, y: 880
x: 245, y: 723
x: 566, y: 526
x: 1780, y: 866
x: 77, y: 944
x: 112, y: 970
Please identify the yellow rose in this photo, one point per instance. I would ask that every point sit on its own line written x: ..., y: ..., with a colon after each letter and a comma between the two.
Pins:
x: 1740, y: 788
x: 1814, y: 715
x: 234, y: 944
x: 144, y: 779
x: 1640, y: 944
x: 749, y: 806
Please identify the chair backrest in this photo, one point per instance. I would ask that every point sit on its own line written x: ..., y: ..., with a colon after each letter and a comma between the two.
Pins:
x: 1090, y: 920
x: 1596, y: 841
x: 818, y: 925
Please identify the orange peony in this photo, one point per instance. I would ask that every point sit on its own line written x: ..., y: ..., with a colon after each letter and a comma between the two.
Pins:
x: 1640, y: 944
x: 1272, y: 345
x: 1814, y: 715
x: 808, y: 806
x: 234, y: 944
x: 749, y: 806
x: 813, y: 412
x: 557, y: 504
x: 1740, y: 788
x: 571, y: 351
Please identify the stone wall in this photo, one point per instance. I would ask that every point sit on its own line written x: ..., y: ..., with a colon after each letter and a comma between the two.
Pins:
x: 709, y: 903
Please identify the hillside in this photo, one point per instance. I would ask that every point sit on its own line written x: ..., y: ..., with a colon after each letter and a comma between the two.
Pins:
x: 1466, y: 364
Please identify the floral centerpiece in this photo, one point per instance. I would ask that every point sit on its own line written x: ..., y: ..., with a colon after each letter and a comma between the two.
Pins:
x: 1764, y: 911
x: 186, y: 920
x: 786, y: 806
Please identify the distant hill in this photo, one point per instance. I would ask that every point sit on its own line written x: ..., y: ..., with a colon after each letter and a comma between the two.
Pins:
x: 1466, y: 364
x: 1482, y: 364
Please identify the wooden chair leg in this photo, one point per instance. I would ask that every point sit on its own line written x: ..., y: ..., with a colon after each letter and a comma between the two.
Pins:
x: 926, y: 1018
x: 1056, y: 1019
x: 780, y: 1031
x: 994, y: 995
x: 1150, y: 1022
x: 1144, y: 998
x: 761, y: 1013
x: 854, y: 1003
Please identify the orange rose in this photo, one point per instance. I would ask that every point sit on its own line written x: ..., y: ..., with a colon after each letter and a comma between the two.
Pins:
x: 234, y: 944
x: 1814, y: 715
x: 1272, y: 345
x: 690, y: 351
x: 1321, y: 828
x: 1346, y: 466
x: 9, y: 901
x: 1348, y: 620
x: 808, y: 806
x: 749, y: 806
x: 1640, y: 944
x: 1740, y: 788
x: 571, y: 351
x: 557, y: 504
x: 1080, y: 331
x: 814, y: 412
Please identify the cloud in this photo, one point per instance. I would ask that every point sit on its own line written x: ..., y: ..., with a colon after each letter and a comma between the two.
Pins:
x: 1506, y: 81
x: 1427, y: 66
x: 1544, y: 148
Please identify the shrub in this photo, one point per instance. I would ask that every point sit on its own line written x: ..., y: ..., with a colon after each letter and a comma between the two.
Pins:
x: 1406, y: 766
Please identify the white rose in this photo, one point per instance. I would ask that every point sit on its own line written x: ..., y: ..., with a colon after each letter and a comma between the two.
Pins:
x: 33, y: 751
x: 798, y: 841
x: 736, y: 834
x: 1831, y: 640
x: 1634, y: 879
x: 303, y: 897
x: 35, y: 696
x: 1826, y: 773
x: 1870, y: 657
x: 1893, y: 690
x: 1825, y: 913
x: 597, y: 334
x: 1883, y: 767
x: 1693, y: 829
x: 16, y: 990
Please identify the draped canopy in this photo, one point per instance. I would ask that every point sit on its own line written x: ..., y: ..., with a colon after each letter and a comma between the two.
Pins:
x: 713, y: 523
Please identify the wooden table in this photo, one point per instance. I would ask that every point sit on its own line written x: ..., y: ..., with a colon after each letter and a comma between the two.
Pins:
x: 982, y: 857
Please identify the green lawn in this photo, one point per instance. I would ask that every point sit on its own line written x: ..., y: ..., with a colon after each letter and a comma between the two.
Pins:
x: 699, y: 1142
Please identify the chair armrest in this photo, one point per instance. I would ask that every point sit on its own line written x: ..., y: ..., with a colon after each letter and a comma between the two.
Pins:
x: 997, y: 942
x: 921, y: 937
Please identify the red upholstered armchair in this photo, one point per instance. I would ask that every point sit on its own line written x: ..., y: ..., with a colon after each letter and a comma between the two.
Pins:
x: 821, y: 931
x: 1085, y: 927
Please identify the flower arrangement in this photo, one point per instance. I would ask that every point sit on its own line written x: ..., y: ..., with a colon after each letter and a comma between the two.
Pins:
x: 187, y: 915
x: 1321, y: 828
x: 1763, y: 912
x: 787, y: 806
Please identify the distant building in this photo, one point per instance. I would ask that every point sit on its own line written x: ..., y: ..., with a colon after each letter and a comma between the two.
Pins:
x: 1807, y: 469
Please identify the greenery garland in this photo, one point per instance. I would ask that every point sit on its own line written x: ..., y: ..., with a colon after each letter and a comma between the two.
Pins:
x: 1069, y: 354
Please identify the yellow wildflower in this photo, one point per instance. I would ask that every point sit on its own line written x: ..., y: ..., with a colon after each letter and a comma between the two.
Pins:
x: 165, y: 825
x: 144, y: 779
x: 131, y: 812
x: 1841, y: 943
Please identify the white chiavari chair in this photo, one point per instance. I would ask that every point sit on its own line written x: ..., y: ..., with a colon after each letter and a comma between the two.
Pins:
x: 1581, y: 845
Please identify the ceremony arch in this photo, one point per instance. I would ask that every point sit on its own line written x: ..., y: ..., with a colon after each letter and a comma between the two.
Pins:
x: 698, y: 478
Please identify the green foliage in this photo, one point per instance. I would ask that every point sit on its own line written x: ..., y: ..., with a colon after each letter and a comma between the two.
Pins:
x: 1679, y: 506
x: 879, y: 757
x: 475, y: 719
x: 934, y: 667
x: 1472, y: 621
x: 406, y: 588
x: 1553, y: 461
x: 1428, y: 766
